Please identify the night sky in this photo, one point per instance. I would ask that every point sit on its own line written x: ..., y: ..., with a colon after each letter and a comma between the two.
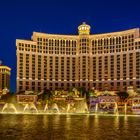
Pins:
x: 19, y: 18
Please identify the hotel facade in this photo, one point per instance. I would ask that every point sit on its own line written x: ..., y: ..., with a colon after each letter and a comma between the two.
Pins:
x: 5, y: 73
x: 109, y: 61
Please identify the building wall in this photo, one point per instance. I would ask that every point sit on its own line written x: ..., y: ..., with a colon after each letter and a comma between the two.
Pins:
x: 106, y: 61
x: 4, y: 78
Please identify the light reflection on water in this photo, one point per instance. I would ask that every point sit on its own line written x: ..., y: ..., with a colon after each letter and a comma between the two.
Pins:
x: 116, y: 122
x: 69, y: 127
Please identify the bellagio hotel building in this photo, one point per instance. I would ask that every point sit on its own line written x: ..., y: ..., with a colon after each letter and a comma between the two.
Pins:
x: 109, y: 61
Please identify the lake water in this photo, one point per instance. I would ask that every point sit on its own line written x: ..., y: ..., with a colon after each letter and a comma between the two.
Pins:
x: 68, y: 127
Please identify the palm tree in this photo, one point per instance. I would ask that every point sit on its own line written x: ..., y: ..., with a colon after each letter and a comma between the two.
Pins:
x: 82, y: 91
x: 47, y: 95
x: 123, y: 95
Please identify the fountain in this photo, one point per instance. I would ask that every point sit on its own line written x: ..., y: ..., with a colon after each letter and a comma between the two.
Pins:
x: 29, y: 107
x: 83, y: 108
x: 125, y: 108
x: 96, y: 108
x: 46, y: 107
x: 68, y: 108
x: 55, y: 107
x: 86, y: 108
x: 9, y: 106
x: 116, y: 112
x: 103, y: 104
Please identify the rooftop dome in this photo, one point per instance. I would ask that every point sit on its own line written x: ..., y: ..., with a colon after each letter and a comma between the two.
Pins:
x: 84, y: 29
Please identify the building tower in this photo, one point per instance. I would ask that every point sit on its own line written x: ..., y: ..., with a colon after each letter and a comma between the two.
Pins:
x: 5, y: 72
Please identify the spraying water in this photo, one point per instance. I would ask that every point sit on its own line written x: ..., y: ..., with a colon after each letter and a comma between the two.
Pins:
x: 46, y: 107
x: 68, y: 108
x: 96, y: 108
x: 86, y: 108
x: 30, y: 106
x: 9, y: 106
x: 116, y: 112
x: 55, y: 107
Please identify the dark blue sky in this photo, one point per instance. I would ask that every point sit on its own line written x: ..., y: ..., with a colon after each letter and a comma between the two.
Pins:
x: 18, y: 19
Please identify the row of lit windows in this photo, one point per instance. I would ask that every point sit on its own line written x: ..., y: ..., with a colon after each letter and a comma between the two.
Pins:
x: 39, y: 85
x: 4, y: 70
x: 100, y: 50
x: 83, y: 65
x: 83, y: 49
x: 113, y: 41
x: 74, y: 59
x: 56, y: 42
x: 4, y: 80
x: 74, y: 48
x: 100, y: 76
x: 33, y: 60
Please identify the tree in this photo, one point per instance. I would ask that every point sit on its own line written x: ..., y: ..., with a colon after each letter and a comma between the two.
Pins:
x: 82, y: 91
x: 47, y: 95
x: 88, y: 93
x: 123, y: 95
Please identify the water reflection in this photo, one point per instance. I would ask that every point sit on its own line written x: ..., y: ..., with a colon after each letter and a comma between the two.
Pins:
x: 96, y: 121
x: 86, y: 120
x: 125, y: 120
x: 56, y: 121
x: 96, y: 127
x: 68, y: 122
x: 116, y: 122
x: 71, y: 127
